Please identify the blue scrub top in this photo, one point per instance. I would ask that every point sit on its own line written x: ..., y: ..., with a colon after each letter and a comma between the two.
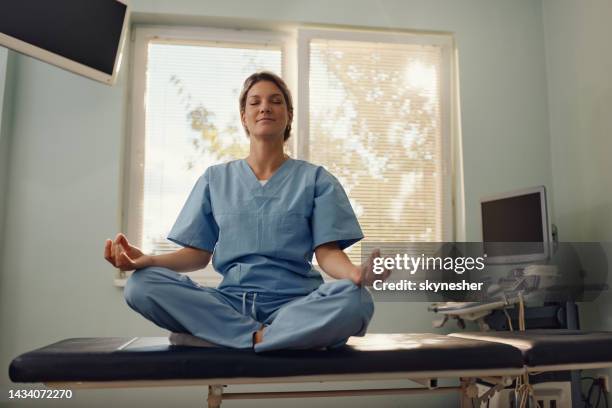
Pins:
x: 263, y: 237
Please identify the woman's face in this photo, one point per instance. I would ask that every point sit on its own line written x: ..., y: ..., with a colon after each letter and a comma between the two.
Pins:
x: 265, y: 114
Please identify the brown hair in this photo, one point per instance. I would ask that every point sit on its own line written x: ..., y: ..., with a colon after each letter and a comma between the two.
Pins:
x: 276, y: 80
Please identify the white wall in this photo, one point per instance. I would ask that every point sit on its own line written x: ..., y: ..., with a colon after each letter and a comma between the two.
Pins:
x: 579, y: 72
x: 579, y: 76
x: 62, y: 198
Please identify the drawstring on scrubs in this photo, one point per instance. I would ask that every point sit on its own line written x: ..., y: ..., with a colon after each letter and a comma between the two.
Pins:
x: 253, y: 311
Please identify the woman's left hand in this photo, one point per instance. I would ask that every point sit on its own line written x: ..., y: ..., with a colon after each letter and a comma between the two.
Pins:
x: 364, y: 275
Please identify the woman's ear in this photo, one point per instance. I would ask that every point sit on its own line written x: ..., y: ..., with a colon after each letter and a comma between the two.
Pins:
x: 243, y: 120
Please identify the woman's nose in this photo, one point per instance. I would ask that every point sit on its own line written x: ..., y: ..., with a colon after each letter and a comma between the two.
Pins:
x: 264, y: 107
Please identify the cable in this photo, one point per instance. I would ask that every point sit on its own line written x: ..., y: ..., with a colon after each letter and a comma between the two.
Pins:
x: 509, y: 320
x: 590, y: 392
x: 595, y: 383
x: 598, y: 397
x: 521, y: 312
x: 587, y: 399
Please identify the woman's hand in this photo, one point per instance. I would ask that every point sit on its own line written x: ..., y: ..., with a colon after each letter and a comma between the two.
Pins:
x: 364, y: 275
x: 124, y: 256
x: 337, y: 264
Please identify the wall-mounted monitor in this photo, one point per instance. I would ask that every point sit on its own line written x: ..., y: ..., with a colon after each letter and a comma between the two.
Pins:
x: 82, y: 36
x: 516, y: 227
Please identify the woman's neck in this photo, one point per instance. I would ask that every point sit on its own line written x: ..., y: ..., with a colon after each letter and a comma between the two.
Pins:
x: 264, y: 159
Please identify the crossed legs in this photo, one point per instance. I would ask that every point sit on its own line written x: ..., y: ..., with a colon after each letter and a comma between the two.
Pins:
x: 326, y: 317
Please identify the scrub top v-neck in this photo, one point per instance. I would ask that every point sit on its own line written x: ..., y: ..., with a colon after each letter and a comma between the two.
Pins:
x: 263, y: 236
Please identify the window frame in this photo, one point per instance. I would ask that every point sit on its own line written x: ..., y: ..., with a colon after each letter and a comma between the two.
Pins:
x: 295, y: 48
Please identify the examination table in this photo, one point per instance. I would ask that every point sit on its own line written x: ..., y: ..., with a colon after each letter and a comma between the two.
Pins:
x: 495, y: 357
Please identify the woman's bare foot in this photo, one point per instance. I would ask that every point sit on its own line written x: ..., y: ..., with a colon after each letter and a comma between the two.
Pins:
x: 258, y: 336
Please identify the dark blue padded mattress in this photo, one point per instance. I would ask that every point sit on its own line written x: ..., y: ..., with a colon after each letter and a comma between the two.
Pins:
x: 552, y: 347
x: 153, y: 358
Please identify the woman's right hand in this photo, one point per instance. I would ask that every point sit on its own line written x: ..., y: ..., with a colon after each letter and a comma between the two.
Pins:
x: 124, y: 256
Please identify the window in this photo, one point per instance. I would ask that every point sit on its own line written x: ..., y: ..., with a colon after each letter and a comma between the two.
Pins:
x: 377, y: 111
x: 372, y: 107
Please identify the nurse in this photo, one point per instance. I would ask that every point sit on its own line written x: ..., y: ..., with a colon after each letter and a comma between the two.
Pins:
x: 260, y: 219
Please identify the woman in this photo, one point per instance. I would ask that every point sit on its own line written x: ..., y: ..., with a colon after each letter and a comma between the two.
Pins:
x: 263, y: 217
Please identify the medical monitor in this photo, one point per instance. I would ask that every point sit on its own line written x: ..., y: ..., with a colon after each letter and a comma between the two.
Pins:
x: 515, y: 226
x: 82, y: 36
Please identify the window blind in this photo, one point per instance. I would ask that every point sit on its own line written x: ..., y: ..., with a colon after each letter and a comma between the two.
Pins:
x: 375, y: 123
x: 192, y: 121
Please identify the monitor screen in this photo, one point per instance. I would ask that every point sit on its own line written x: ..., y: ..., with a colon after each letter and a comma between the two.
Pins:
x: 515, y: 226
x: 82, y: 36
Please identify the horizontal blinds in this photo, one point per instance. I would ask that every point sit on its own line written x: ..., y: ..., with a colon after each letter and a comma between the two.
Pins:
x: 375, y: 124
x: 191, y: 121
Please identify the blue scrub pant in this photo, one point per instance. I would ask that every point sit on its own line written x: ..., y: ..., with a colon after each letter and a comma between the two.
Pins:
x: 327, y: 317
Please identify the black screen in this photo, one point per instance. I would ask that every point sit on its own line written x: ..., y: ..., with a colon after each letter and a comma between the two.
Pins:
x: 85, y: 31
x: 513, y: 220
